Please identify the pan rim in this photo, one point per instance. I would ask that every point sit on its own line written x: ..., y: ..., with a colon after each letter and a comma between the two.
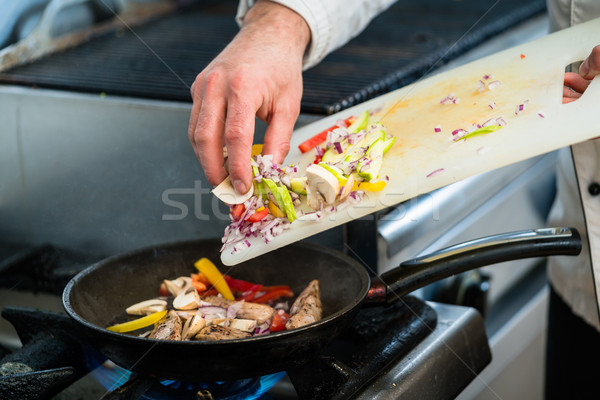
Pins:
x: 353, y: 305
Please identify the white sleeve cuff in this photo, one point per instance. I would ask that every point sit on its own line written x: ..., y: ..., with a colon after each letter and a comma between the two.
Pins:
x: 332, y: 23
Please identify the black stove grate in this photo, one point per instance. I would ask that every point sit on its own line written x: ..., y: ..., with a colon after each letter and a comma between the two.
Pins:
x: 161, y: 59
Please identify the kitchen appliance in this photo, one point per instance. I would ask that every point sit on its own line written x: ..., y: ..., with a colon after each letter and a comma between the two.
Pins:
x: 103, y: 170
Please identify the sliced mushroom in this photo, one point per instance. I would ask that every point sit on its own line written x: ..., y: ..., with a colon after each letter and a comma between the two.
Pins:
x: 246, y: 325
x: 227, y: 194
x: 168, y: 328
x: 147, y: 307
x: 192, y: 326
x: 321, y: 183
x: 178, y: 285
x: 187, y: 300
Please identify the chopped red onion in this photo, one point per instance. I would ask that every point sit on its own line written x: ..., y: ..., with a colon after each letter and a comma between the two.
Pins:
x: 492, y: 104
x: 283, y: 306
x: 437, y: 129
x: 212, y: 312
x: 450, y: 99
x: 338, y: 147
x: 437, y: 171
x: 262, y: 329
x: 480, y: 86
x: 493, y: 85
x: 458, y: 133
x: 500, y: 121
x: 521, y: 107
x: 319, y: 150
x: 233, y: 309
x: 541, y: 114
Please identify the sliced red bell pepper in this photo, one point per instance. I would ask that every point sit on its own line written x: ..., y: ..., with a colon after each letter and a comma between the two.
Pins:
x: 273, y: 293
x: 318, y: 159
x: 320, y: 137
x: 259, y: 214
x: 238, y: 285
x: 279, y: 320
x: 163, y: 291
x: 249, y: 294
x: 237, y: 210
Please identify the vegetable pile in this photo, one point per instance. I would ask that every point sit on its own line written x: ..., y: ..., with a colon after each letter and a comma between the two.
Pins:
x: 209, y: 305
x: 348, y: 159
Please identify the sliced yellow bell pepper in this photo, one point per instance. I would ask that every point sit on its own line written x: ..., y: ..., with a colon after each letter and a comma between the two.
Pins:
x: 138, y: 323
x: 256, y: 149
x: 214, y: 276
x: 368, y: 186
x: 275, y: 211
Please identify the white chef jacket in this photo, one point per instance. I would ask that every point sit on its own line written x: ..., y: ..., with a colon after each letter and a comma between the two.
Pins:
x: 335, y: 22
x: 574, y: 278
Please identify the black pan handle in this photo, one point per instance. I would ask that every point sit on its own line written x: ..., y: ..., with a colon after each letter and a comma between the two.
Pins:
x: 421, y: 271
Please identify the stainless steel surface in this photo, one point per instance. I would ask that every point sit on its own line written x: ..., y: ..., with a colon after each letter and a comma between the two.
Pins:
x: 101, y: 174
x: 442, y: 365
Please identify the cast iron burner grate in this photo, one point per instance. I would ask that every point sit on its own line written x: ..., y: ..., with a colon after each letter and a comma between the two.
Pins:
x: 397, y: 48
x: 53, y: 356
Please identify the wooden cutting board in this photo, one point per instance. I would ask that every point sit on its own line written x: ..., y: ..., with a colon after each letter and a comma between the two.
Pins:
x: 530, y: 74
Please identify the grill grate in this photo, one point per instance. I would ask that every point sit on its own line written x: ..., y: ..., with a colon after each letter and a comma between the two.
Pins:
x: 162, y: 58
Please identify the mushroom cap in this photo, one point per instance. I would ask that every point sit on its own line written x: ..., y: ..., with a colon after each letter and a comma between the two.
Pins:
x: 178, y: 285
x: 187, y: 300
x: 228, y: 195
x: 322, y: 181
x: 147, y: 307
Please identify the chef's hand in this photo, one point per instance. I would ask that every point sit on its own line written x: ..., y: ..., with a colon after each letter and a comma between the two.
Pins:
x: 575, y: 84
x: 258, y: 74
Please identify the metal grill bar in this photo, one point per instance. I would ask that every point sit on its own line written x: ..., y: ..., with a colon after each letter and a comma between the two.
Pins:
x: 397, y: 48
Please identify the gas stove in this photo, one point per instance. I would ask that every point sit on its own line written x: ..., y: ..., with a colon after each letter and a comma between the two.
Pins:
x: 388, y: 349
x: 103, y: 166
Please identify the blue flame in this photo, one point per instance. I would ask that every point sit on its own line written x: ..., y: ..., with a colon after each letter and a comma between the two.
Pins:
x: 111, y: 376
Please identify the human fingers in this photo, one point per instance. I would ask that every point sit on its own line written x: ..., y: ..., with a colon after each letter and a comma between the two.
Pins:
x: 591, y: 65
x: 207, y: 136
x: 196, y: 104
x: 576, y: 82
x: 239, y: 131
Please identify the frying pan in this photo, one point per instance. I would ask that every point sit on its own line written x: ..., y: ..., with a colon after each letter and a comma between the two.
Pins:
x: 96, y: 296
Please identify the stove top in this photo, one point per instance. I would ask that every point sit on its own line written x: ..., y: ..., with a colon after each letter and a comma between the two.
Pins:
x: 54, y: 357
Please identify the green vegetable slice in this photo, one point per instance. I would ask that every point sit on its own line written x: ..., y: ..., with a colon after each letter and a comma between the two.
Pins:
x: 481, y: 131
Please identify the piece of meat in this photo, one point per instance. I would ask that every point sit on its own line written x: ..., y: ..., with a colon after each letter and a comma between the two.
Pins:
x: 261, y: 313
x: 307, y: 308
x: 218, y: 332
x: 168, y: 328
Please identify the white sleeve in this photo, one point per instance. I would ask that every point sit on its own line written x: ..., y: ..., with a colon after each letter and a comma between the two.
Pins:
x: 332, y: 23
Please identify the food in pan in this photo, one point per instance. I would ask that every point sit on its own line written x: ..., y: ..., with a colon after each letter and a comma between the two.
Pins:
x: 211, y: 306
x: 345, y: 167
